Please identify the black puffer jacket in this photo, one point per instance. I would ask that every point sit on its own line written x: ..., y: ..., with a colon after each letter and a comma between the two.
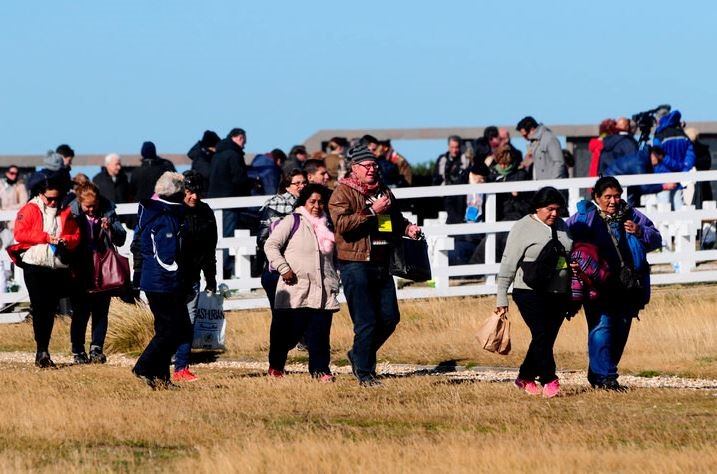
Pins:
x: 201, y: 160
x: 145, y: 177
x: 199, y: 245
x: 228, y: 171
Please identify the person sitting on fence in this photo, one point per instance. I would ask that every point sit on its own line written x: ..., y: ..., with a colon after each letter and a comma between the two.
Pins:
x: 541, y: 287
x: 623, y: 237
x: 13, y: 195
x: 367, y: 220
x: 159, y: 273
x: 98, y: 224
x: 199, y: 245
x: 679, y: 156
x: 301, y: 249
x: 46, y: 236
x: 641, y: 162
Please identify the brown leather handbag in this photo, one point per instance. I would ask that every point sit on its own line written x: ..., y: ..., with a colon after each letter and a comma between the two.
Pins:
x: 110, y: 270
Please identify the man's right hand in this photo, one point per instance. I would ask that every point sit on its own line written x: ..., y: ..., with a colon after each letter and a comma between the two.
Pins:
x: 381, y: 205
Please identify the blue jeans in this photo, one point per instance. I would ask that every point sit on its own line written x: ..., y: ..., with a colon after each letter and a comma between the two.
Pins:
x: 181, y: 357
x: 607, y: 336
x: 672, y: 196
x: 371, y: 297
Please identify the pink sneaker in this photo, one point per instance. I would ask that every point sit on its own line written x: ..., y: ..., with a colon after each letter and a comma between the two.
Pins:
x: 277, y: 374
x: 529, y: 386
x: 184, y: 375
x: 551, y: 389
x: 327, y: 378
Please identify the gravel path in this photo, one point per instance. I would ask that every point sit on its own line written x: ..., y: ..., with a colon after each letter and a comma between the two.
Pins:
x: 450, y: 372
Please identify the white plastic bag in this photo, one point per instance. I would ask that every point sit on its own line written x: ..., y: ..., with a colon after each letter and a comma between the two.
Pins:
x: 209, y: 325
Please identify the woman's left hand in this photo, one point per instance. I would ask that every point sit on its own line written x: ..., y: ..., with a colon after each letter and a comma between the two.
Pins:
x: 632, y: 228
x: 413, y: 231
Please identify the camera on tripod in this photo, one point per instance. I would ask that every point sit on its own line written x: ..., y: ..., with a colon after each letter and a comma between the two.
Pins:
x: 646, y: 120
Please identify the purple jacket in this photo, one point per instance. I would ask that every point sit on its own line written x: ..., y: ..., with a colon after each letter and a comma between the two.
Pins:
x: 587, y: 226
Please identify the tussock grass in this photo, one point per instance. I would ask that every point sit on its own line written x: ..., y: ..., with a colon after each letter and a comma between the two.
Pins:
x: 131, y: 328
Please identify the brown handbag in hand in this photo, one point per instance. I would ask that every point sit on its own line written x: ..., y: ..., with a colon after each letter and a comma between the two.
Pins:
x: 494, y: 334
x: 110, y: 270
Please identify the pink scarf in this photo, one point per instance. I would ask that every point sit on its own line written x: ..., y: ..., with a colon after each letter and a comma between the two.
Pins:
x: 323, y: 235
x: 364, y: 188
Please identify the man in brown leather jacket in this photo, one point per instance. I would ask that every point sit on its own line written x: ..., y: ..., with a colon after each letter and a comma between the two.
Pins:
x: 367, y: 221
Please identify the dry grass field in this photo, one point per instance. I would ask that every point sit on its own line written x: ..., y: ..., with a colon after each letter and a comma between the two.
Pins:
x: 100, y: 418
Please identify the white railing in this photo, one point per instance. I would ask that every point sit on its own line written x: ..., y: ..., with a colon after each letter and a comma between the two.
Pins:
x: 679, y: 229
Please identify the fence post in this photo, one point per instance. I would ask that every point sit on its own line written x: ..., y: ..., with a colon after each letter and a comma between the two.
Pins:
x: 490, y: 238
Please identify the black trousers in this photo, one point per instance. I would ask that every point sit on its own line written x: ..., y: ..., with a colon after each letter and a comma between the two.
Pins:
x: 171, y: 326
x: 290, y: 325
x: 544, y: 314
x: 45, y: 286
x: 85, y: 305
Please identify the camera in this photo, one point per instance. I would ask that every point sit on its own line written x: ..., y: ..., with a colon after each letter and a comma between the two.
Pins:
x: 646, y: 120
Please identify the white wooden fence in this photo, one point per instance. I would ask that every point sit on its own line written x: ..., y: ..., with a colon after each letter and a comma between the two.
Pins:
x: 681, y: 257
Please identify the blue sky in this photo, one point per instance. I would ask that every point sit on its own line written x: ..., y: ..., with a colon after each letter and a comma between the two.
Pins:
x: 104, y: 76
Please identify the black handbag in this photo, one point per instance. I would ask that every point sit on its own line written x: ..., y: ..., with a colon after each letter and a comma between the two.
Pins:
x: 539, y: 273
x: 409, y: 259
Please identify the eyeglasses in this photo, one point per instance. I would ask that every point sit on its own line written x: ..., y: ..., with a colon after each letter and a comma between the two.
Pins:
x: 372, y: 166
x: 298, y: 183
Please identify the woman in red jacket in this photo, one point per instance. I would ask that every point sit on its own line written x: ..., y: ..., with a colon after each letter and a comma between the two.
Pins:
x: 607, y: 127
x: 45, y: 234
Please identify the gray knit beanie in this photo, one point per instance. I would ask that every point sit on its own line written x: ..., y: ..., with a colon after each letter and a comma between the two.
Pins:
x: 53, y: 161
x: 359, y: 153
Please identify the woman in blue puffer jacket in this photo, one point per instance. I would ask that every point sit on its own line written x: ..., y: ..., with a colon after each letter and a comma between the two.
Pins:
x: 623, y: 237
x: 157, y: 245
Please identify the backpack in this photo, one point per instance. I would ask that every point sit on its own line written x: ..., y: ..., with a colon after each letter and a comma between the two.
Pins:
x: 294, y: 228
x: 551, y: 259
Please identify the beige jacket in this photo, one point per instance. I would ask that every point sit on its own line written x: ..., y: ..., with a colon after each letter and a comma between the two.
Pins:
x: 318, y: 283
x: 12, y: 196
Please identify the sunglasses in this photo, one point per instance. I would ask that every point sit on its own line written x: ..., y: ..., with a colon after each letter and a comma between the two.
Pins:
x: 51, y: 198
x: 12, y: 173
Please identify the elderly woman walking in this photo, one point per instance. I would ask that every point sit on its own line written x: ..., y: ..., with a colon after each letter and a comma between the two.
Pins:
x: 301, y: 248
x: 543, y: 306
x: 623, y: 236
x: 157, y: 251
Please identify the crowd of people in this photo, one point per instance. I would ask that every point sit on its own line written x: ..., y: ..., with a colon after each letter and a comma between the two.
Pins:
x: 332, y: 220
